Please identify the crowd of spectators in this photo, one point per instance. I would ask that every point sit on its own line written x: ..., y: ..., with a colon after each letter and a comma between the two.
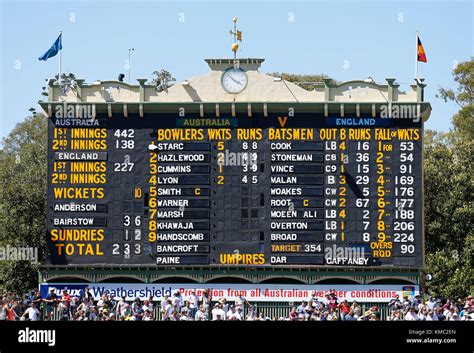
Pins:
x: 63, y: 306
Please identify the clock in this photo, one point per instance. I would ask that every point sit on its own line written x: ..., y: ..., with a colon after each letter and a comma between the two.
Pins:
x: 234, y: 80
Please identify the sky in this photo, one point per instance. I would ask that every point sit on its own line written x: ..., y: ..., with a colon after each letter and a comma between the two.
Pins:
x: 346, y: 40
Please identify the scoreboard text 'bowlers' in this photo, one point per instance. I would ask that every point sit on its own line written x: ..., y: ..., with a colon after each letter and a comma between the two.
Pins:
x: 254, y: 191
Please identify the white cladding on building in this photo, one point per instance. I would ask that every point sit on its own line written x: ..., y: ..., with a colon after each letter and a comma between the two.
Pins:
x: 260, y: 92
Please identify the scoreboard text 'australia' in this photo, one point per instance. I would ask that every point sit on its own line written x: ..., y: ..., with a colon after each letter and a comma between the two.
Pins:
x: 276, y: 189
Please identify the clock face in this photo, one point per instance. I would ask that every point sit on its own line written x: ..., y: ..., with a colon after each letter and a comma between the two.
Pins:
x: 234, y: 80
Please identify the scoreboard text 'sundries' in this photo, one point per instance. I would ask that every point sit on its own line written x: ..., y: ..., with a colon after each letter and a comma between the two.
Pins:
x: 260, y: 191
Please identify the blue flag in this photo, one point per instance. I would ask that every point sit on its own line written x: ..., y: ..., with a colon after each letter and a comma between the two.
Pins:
x: 55, y: 48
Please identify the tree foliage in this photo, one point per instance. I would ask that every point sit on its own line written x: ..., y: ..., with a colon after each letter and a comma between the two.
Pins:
x: 449, y: 216
x: 23, y: 172
x: 162, y: 80
x: 302, y: 80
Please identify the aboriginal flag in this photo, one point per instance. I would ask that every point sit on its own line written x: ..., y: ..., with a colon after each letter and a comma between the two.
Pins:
x: 421, y: 52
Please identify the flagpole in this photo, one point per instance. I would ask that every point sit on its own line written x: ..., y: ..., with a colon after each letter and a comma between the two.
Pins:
x: 60, y: 54
x: 416, y: 59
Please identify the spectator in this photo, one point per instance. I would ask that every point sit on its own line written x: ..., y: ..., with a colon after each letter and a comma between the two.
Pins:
x: 230, y: 313
x: 411, y: 315
x: 405, y: 303
x: 355, y: 308
x: 217, y: 313
x: 293, y: 314
x: 431, y: 316
x: 350, y: 316
x: 332, y: 301
x: 63, y: 311
x: 86, y: 294
x: 3, y: 312
x: 31, y: 314
x: 193, y: 303
x: 395, y: 303
x: 138, y: 312
x: 240, y: 302
x: 344, y: 309
x: 200, y: 315
x: 51, y: 301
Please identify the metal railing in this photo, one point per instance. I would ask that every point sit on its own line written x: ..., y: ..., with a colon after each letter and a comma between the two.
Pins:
x: 272, y: 310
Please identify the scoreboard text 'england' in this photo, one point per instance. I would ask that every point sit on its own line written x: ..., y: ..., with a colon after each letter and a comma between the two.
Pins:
x: 270, y: 189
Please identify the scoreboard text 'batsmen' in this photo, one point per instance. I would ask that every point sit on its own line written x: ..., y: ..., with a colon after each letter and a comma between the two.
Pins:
x: 305, y: 190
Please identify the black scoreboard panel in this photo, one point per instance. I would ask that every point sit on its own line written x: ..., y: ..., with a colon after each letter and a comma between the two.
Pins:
x: 235, y: 191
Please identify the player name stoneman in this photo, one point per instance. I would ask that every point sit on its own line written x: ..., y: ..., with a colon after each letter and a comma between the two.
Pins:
x: 291, y: 157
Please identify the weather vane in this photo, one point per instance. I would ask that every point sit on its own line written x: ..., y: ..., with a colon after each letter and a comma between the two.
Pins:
x: 237, y: 37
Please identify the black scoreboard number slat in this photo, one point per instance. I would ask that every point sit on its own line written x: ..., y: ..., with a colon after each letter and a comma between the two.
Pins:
x: 153, y: 191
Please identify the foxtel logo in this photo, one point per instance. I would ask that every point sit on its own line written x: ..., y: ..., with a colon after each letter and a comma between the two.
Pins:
x: 37, y: 336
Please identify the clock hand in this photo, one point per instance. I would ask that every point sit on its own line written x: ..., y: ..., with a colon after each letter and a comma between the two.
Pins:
x: 233, y: 79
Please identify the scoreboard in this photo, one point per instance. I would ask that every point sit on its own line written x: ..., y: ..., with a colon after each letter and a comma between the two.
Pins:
x: 275, y: 190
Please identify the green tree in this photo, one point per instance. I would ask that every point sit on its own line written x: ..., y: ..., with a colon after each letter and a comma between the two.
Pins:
x: 449, y: 216
x: 23, y: 172
x: 463, y: 95
x: 304, y: 81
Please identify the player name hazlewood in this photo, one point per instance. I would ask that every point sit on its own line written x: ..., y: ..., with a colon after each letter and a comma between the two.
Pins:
x: 180, y: 157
